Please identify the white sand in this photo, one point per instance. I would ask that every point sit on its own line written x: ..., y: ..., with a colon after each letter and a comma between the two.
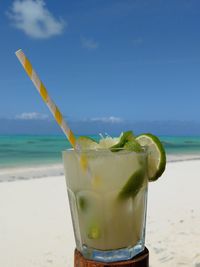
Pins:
x: 36, y: 229
x: 173, y: 225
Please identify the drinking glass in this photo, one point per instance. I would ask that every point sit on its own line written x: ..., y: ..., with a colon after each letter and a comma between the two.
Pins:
x: 108, y: 200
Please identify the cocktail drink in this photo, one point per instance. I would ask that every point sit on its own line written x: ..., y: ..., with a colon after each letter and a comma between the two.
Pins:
x: 108, y: 197
x: 107, y: 185
x: 108, y: 202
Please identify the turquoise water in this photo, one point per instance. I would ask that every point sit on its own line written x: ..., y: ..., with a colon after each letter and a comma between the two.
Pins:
x: 23, y: 150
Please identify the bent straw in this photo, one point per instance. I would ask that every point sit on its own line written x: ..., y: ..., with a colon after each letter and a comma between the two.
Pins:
x: 45, y: 96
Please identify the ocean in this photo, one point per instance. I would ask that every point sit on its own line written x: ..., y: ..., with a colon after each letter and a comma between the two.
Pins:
x: 21, y: 150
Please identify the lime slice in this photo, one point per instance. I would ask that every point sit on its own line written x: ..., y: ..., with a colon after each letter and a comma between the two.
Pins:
x: 86, y: 142
x: 133, y: 185
x: 156, y: 155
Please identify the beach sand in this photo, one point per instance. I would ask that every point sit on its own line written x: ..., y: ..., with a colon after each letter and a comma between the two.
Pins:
x: 36, y: 228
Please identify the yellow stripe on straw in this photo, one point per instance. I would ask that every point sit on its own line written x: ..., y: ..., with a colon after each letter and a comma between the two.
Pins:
x: 45, y: 96
x: 28, y: 67
x: 43, y: 92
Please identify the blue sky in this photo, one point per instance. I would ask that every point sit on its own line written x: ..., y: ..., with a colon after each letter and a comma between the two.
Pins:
x: 106, y: 61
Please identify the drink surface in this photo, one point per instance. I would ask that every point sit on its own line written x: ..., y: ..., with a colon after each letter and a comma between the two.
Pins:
x: 107, y: 214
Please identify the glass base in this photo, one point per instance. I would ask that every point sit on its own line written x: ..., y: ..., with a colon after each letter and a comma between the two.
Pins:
x: 112, y: 255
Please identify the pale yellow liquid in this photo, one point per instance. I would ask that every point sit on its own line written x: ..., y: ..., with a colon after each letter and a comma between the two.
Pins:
x: 101, y: 219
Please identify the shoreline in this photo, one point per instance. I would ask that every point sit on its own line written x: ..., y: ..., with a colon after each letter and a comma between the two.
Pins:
x: 32, y: 171
x: 182, y: 157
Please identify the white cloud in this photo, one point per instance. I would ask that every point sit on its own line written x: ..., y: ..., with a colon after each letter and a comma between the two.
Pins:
x: 34, y: 19
x: 110, y: 119
x: 31, y: 116
x: 89, y: 43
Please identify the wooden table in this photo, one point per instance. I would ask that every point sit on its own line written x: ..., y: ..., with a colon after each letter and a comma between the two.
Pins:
x: 141, y: 260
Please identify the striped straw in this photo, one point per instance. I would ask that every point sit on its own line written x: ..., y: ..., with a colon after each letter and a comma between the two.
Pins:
x: 52, y: 107
x: 45, y: 96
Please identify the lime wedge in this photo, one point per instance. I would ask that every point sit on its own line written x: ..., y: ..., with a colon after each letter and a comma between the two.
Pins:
x: 107, y: 142
x: 94, y: 231
x: 133, y: 185
x: 128, y: 142
x: 156, y: 158
x: 83, y: 203
x: 133, y: 145
x: 135, y: 181
x: 86, y: 142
